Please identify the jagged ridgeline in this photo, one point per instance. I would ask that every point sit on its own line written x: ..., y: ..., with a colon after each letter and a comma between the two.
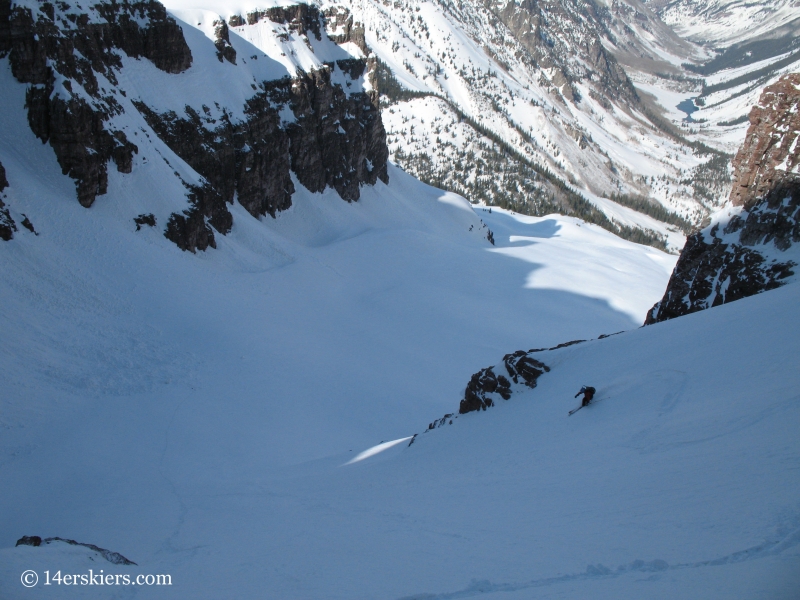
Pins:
x: 323, y: 124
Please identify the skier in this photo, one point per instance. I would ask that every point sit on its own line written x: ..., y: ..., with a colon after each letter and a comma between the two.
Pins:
x: 588, y: 394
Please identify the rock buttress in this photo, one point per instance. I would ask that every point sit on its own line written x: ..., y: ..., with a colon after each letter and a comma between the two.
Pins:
x: 57, y: 53
x: 743, y: 256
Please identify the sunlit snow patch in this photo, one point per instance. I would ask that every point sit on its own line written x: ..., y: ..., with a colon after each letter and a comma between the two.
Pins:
x: 376, y: 450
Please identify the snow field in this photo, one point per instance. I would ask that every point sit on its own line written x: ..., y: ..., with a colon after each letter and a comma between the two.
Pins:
x: 677, y: 480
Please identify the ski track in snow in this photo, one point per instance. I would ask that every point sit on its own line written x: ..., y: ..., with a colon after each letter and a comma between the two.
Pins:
x: 600, y: 571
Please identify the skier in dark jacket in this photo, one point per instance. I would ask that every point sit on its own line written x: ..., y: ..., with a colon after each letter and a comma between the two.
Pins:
x: 588, y: 394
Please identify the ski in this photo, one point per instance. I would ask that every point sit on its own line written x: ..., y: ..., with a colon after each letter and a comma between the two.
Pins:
x: 574, y: 410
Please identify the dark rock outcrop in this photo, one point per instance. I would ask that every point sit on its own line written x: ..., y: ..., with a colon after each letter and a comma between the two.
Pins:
x: 341, y: 28
x: 303, y: 18
x: 26, y: 223
x: 56, y: 52
x: 7, y: 225
x: 112, y: 557
x: 223, y: 42
x: 445, y: 420
x: 482, y: 385
x: 190, y: 230
x: 485, y: 385
x: 29, y: 540
x: 524, y: 369
x: 743, y: 257
x: 148, y: 219
x: 337, y: 140
x: 722, y: 265
x: 249, y: 160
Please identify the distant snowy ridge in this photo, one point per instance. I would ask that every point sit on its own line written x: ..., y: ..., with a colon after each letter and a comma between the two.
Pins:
x: 727, y: 22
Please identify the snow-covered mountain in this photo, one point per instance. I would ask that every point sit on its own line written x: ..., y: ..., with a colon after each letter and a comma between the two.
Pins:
x: 192, y: 120
x: 727, y: 22
x: 538, y: 92
x: 752, y: 44
x: 562, y: 106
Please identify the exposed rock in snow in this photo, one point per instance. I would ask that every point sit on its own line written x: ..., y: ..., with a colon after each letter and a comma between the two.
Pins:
x: 7, y: 225
x: 751, y: 247
x: 332, y: 142
x: 112, y: 557
x: 485, y: 385
x: 319, y: 117
x: 148, y: 219
x: 67, y: 57
x: 300, y: 17
x: 733, y: 264
x: 29, y: 540
x: 343, y: 30
x: 567, y: 37
x: 223, y: 42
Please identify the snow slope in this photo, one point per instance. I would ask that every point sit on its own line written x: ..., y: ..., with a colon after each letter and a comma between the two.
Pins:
x: 737, y: 90
x: 145, y: 387
x: 196, y: 413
